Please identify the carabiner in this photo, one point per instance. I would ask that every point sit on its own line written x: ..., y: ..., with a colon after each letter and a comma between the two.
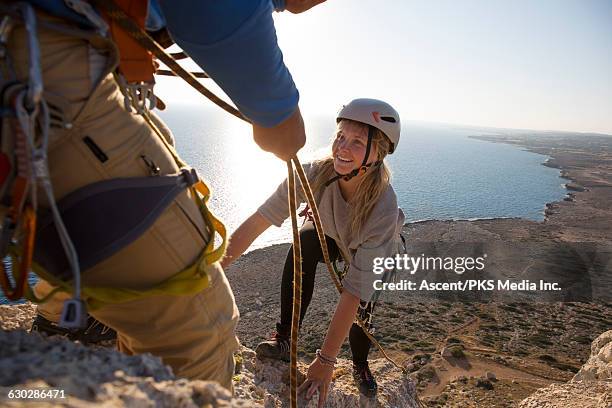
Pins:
x: 35, y: 84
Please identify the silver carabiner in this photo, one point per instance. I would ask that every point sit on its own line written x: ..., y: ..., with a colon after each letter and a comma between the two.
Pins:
x: 35, y: 84
x: 137, y: 95
x: 141, y: 93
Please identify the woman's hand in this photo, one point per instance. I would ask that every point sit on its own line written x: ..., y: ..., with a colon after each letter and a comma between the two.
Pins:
x: 318, y: 378
x: 322, y: 368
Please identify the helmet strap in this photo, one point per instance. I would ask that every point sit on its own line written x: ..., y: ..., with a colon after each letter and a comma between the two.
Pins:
x: 364, y: 164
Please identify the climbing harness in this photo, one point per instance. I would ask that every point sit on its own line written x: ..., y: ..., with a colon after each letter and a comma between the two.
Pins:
x: 44, y: 245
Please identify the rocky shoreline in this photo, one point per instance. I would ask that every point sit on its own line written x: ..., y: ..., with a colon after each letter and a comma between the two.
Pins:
x: 507, y: 355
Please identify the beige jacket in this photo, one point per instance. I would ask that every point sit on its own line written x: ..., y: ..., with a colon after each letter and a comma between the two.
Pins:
x: 379, y: 237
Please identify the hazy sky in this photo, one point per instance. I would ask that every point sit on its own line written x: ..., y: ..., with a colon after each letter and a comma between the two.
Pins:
x: 536, y: 64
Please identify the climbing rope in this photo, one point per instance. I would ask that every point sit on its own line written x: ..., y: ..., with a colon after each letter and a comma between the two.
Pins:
x: 138, y: 34
x: 167, y: 72
x: 297, y: 278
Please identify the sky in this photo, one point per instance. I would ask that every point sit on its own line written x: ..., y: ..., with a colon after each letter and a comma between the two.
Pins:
x: 527, y: 64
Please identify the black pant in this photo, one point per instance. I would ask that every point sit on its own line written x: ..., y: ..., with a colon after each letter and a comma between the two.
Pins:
x: 311, y: 256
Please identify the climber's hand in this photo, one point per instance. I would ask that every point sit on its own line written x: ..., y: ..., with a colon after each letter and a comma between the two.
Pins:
x: 318, y: 378
x: 284, y: 139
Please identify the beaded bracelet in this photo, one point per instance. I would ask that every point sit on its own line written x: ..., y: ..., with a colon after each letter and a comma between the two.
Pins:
x: 326, y: 360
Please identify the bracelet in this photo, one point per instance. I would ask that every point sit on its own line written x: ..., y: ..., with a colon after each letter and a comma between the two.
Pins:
x: 326, y: 360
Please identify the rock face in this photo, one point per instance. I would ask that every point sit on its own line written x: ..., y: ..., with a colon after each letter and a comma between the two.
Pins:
x: 591, y: 387
x: 268, y: 381
x: 17, y: 317
x: 599, y: 366
x: 93, y: 376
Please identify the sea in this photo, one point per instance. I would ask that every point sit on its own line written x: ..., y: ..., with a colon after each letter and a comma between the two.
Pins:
x: 438, y: 171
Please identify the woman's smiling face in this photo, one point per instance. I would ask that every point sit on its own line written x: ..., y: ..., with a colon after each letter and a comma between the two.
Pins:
x: 350, y: 145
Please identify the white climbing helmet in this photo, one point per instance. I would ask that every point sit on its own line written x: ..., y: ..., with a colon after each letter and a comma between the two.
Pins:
x: 375, y: 113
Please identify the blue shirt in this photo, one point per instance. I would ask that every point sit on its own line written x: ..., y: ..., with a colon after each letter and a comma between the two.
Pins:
x: 233, y: 41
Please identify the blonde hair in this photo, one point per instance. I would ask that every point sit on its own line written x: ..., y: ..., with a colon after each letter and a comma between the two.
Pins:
x: 369, y: 189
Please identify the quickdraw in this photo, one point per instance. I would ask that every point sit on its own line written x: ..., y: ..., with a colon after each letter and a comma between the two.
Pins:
x: 24, y: 146
x: 20, y: 219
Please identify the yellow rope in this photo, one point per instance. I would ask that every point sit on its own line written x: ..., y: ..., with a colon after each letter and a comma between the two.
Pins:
x: 297, y: 280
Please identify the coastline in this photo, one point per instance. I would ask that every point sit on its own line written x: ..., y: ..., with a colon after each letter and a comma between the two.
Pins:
x: 535, y: 143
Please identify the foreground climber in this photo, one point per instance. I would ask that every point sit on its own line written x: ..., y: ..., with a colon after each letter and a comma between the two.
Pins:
x: 95, y: 141
x: 361, y: 220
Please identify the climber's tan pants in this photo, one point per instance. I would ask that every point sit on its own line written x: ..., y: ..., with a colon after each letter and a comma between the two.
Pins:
x: 193, y: 334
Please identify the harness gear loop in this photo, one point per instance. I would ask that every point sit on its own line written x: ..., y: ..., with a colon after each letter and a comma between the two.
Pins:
x: 26, y: 170
x: 74, y: 313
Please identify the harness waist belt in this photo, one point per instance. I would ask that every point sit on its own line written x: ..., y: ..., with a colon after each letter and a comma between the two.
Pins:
x: 106, y: 216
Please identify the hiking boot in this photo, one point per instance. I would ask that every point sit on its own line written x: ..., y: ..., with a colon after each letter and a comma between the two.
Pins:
x: 365, y: 380
x: 95, y: 332
x: 277, y: 348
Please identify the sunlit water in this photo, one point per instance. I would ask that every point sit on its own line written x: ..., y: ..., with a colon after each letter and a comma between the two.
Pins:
x: 438, y: 171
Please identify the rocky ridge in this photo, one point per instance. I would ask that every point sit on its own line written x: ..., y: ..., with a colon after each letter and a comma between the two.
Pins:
x: 591, y: 387
x: 98, y: 376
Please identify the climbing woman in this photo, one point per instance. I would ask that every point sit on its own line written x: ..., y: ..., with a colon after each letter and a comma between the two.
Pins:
x: 361, y: 220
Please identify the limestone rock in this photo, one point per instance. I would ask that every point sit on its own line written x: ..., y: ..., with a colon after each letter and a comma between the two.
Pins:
x: 94, y: 376
x: 573, y: 394
x: 268, y: 382
x: 599, y: 365
x: 17, y: 317
x: 590, y: 388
